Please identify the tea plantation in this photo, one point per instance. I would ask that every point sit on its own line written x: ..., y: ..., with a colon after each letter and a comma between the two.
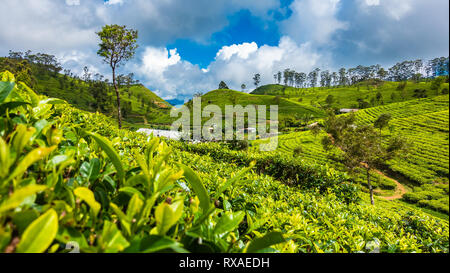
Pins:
x: 425, y: 170
x: 70, y: 177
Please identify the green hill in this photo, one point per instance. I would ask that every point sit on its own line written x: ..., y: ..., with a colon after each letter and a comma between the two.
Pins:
x: 425, y: 171
x: 362, y: 95
x: 71, y: 185
x: 140, y: 106
x: 286, y: 109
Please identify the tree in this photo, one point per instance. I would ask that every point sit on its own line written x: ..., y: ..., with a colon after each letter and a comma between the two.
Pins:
x: 257, y: 80
x: 360, y: 146
x: 382, y: 122
x: 118, y: 45
x: 286, y: 76
x: 329, y: 100
x: 381, y: 73
x: 342, y: 77
x: 279, y: 77
x: 313, y: 76
x: 436, y: 84
x: 315, y: 130
x: 223, y: 85
x: 243, y: 87
x: 198, y: 95
x: 86, y: 74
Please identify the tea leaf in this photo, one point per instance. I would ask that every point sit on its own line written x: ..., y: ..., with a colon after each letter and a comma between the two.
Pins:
x: 228, y: 222
x: 198, y: 187
x: 167, y: 215
x: 5, y: 89
x: 87, y: 196
x: 112, y: 154
x: 30, y: 158
x: 112, y: 239
x: 39, y: 234
x: 19, y: 196
x: 272, y: 238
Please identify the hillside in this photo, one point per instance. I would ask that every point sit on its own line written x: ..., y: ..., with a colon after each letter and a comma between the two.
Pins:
x: 425, y: 171
x: 363, y: 95
x: 102, y: 201
x: 287, y: 109
x: 140, y: 106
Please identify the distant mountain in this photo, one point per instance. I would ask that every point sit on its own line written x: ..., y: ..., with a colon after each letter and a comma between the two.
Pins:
x: 175, y: 102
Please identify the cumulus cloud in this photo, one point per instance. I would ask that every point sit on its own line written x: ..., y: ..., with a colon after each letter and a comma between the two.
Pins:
x: 325, y: 33
x: 396, y: 9
x: 73, y: 2
x: 170, y: 76
x: 62, y: 27
x: 314, y: 21
x: 388, y: 31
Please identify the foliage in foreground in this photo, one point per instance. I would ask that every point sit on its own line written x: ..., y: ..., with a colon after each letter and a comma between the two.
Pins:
x: 69, y: 185
x: 63, y: 185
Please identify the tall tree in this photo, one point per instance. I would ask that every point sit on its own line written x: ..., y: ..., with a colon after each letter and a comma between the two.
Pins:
x: 223, y: 85
x: 257, y: 79
x: 342, y: 77
x: 382, y: 122
x: 118, y: 45
x: 360, y: 146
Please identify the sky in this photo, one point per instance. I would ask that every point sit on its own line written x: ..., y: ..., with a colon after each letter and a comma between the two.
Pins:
x: 189, y: 46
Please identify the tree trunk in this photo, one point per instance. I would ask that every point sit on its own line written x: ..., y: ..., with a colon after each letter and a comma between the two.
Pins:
x: 116, y: 88
x: 370, y: 187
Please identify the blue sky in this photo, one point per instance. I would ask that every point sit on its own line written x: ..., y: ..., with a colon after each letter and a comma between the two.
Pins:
x: 190, y: 46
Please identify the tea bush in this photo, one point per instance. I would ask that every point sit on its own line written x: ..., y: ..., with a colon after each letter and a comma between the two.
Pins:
x: 287, y: 169
x: 70, y: 178
x: 62, y: 184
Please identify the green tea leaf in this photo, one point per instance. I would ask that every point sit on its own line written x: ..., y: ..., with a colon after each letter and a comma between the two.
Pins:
x: 5, y: 90
x: 40, y: 234
x: 112, y: 240
x: 10, y: 106
x: 266, y: 241
x: 132, y: 191
x: 233, y: 180
x: 228, y: 222
x: 30, y: 158
x: 33, y: 96
x: 19, y: 196
x: 112, y: 154
x: 134, y: 206
x: 155, y: 243
x: 87, y: 196
x: 167, y: 215
x: 198, y: 187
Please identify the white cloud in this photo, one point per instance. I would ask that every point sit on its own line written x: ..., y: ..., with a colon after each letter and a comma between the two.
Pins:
x: 157, y: 60
x: 313, y: 21
x: 73, y: 2
x: 236, y: 64
x: 242, y: 51
x: 114, y: 2
x: 396, y: 9
x: 372, y: 2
